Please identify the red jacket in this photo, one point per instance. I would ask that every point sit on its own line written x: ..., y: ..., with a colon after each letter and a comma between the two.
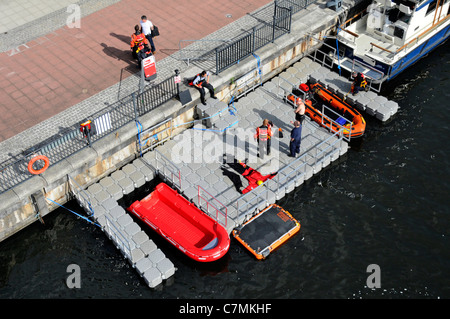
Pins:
x: 138, y: 40
x: 253, y: 176
x: 263, y: 132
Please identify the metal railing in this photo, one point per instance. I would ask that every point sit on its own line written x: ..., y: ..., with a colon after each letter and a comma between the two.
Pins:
x: 198, y: 50
x: 374, y: 83
x: 61, y: 146
x: 168, y: 170
x: 212, y: 203
x: 292, y: 173
x: 252, y: 202
x: 83, y: 198
x: 149, y: 138
x: 118, y: 237
x: 322, y: 57
x: 228, y: 55
x: 326, y: 55
x: 155, y: 95
x: 347, y: 127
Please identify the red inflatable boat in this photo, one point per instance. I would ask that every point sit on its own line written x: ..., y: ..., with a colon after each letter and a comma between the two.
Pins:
x: 184, y: 225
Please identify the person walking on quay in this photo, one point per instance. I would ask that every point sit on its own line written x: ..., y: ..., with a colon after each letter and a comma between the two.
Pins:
x: 263, y: 136
x: 296, y: 139
x: 147, y: 28
x: 138, y: 43
x: 200, y: 82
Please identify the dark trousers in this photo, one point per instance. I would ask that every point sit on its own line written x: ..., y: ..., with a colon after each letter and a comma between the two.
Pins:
x: 299, y: 117
x: 261, y: 146
x: 150, y: 40
x: 202, y: 90
x: 294, y: 147
x: 357, y: 88
x: 141, y: 55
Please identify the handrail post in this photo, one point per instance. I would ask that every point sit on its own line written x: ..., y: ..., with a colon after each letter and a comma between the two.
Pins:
x: 217, y: 61
x: 290, y: 19
x: 253, y: 39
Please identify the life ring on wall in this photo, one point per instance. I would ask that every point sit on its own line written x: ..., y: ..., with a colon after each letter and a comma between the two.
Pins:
x: 34, y: 160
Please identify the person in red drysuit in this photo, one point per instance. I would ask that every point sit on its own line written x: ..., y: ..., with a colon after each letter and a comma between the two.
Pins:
x: 254, y: 177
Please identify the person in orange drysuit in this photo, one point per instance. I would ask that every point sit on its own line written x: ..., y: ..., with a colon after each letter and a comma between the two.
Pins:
x: 139, y: 44
x: 253, y: 177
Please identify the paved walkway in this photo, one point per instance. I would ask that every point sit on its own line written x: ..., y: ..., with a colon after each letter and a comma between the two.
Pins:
x: 51, y: 73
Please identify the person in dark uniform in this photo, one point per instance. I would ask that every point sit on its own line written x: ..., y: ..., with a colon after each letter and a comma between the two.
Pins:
x: 359, y: 83
x: 296, y: 139
x: 200, y: 82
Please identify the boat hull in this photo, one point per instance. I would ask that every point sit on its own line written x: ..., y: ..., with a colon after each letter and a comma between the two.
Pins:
x: 390, y: 71
x: 182, y: 224
x: 338, y: 105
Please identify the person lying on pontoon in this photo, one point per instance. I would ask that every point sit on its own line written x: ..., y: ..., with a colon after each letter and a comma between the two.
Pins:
x: 253, y: 177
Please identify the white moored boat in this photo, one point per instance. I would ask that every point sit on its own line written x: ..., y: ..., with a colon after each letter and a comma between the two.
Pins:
x: 389, y: 36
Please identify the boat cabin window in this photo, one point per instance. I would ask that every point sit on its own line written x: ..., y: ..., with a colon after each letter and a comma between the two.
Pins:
x: 406, y: 3
x: 395, y: 14
x: 399, y: 32
x: 431, y: 7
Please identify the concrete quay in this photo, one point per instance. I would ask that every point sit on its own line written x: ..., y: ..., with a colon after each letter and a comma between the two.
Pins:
x: 90, y: 164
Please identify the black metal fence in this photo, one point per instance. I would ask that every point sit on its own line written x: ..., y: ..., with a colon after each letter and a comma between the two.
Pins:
x: 228, y: 55
x: 159, y: 94
x: 61, y: 146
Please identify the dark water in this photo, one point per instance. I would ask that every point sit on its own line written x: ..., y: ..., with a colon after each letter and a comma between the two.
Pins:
x: 385, y: 202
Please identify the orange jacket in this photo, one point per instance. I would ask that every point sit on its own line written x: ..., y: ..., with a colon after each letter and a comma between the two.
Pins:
x: 264, y: 131
x: 138, y: 40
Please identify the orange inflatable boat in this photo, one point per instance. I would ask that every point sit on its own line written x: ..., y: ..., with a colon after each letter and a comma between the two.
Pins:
x: 337, y: 113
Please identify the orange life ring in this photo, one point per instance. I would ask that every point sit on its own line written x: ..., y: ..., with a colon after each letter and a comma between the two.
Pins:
x: 37, y: 158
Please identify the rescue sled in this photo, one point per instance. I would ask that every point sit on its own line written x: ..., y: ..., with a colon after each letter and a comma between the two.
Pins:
x: 266, y: 231
x: 181, y: 223
x: 335, y: 115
